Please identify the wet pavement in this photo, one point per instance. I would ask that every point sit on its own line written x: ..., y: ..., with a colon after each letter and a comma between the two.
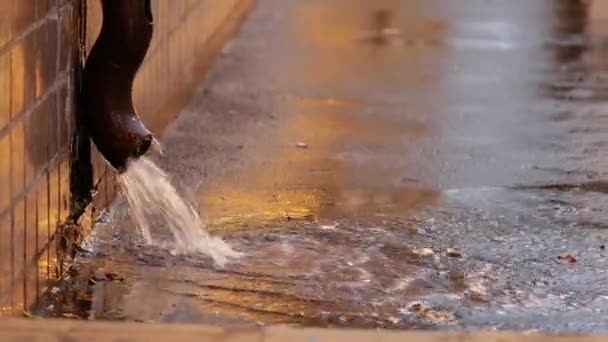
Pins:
x: 397, y: 164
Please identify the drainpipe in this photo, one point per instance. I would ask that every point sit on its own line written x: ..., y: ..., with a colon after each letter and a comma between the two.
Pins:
x: 108, y: 113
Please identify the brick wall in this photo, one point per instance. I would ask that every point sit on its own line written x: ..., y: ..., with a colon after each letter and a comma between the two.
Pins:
x: 38, y: 55
x: 36, y: 44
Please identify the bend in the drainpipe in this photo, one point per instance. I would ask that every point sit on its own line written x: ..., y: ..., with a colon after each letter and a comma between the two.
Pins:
x: 108, y: 112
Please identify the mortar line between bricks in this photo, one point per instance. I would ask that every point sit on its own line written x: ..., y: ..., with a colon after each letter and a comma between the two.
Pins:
x: 33, y: 262
x: 51, y: 15
x: 59, y: 81
x: 21, y: 197
x: 41, y: 175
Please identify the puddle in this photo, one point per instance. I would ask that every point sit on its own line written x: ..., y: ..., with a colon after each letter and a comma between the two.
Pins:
x: 476, y: 259
x: 335, y: 176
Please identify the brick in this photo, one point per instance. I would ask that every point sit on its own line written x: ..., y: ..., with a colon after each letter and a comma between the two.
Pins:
x: 5, y: 89
x: 4, y: 175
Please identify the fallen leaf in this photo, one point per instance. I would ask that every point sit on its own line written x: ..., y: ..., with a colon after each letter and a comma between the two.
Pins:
x: 438, y: 315
x: 427, y: 312
x: 568, y: 258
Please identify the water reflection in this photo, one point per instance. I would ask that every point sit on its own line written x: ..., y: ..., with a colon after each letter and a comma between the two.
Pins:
x: 473, y: 119
x: 335, y: 176
x: 351, y: 166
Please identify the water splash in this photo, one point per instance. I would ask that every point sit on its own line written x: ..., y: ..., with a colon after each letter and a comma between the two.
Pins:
x: 157, y: 147
x: 155, y: 202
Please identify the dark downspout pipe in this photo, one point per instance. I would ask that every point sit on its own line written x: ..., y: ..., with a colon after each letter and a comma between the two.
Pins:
x: 108, y: 113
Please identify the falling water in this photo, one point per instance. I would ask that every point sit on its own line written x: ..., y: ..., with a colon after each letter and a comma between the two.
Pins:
x: 155, y: 202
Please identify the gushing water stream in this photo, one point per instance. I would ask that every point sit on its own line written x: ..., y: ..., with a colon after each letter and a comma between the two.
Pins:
x: 155, y: 202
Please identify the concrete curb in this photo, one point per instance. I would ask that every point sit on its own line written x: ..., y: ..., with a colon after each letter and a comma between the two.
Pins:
x: 74, y: 331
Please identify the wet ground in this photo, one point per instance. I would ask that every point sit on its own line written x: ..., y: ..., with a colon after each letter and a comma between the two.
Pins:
x: 398, y: 164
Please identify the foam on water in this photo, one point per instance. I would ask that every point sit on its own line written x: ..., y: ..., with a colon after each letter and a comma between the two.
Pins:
x: 155, y: 203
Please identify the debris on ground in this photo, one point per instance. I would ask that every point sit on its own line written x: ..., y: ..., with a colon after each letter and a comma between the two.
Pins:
x: 328, y: 226
x: 114, y: 277
x: 28, y: 314
x: 301, y: 144
x: 425, y: 311
x: 498, y: 239
x: 423, y: 251
x: 453, y: 253
x: 567, y: 258
x: 70, y: 315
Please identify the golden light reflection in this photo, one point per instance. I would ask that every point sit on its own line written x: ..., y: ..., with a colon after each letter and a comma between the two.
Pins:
x: 314, y: 183
x: 351, y: 47
x: 236, y: 207
x: 333, y: 174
